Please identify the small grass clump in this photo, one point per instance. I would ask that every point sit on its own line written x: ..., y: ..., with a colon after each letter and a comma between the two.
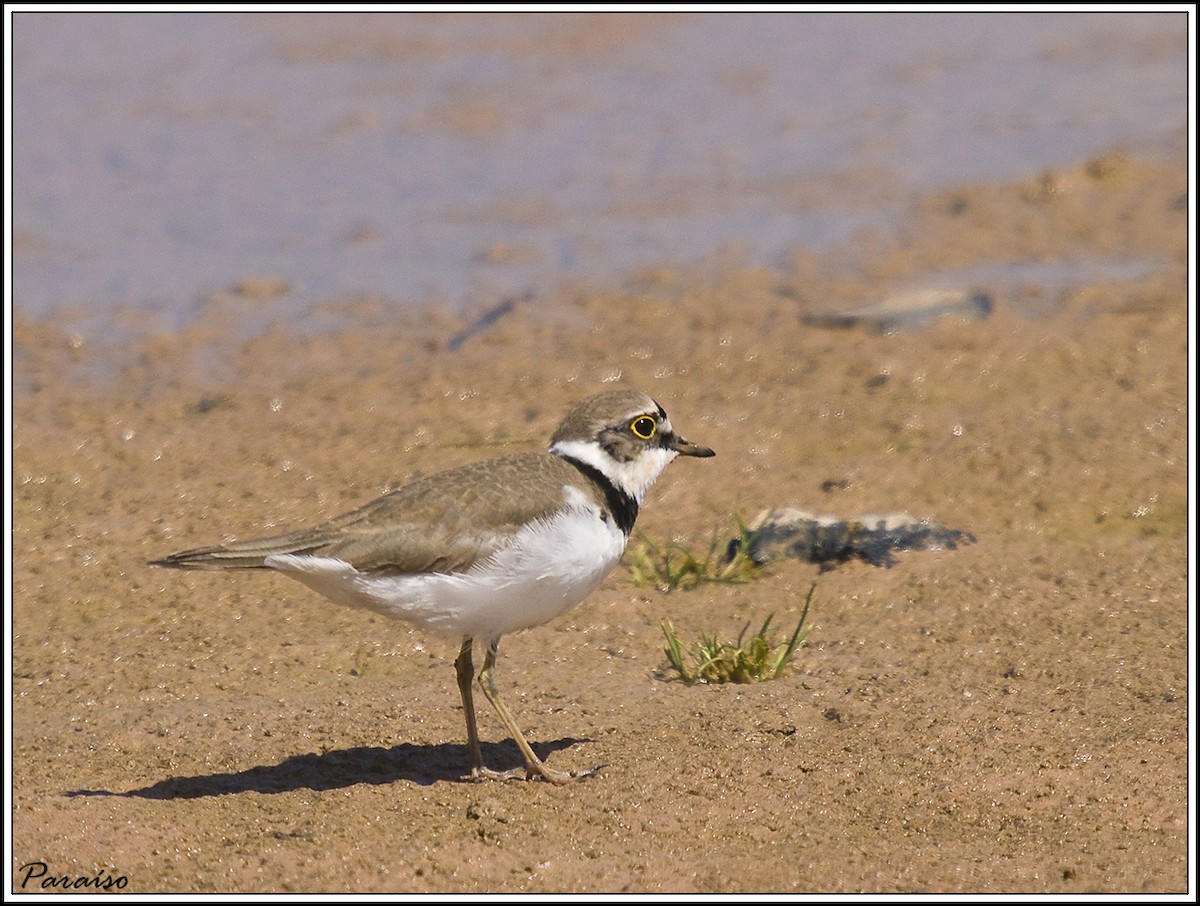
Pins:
x: 748, y: 660
x: 668, y: 567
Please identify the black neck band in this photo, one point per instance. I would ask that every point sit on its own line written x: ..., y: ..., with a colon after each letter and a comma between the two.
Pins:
x: 624, y: 508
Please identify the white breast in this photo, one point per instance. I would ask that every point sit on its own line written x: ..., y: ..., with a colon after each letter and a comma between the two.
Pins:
x: 550, y: 566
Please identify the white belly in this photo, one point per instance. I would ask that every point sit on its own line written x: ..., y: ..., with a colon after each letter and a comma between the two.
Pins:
x: 548, y: 568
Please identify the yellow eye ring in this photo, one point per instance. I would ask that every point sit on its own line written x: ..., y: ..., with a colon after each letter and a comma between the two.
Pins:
x: 643, y: 426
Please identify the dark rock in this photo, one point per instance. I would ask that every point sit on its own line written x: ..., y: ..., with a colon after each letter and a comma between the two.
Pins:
x: 829, y: 540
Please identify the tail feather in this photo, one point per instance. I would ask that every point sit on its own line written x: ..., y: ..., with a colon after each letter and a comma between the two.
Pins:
x: 249, y: 554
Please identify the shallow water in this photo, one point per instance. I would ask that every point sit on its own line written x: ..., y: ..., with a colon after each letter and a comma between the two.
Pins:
x: 159, y: 160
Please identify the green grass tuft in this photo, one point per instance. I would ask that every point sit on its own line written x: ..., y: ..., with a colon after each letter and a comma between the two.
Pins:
x: 748, y: 660
x: 668, y: 567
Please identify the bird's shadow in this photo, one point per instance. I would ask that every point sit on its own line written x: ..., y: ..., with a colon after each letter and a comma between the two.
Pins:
x: 419, y: 764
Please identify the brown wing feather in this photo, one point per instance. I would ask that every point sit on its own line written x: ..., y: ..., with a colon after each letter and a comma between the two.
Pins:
x: 445, y: 522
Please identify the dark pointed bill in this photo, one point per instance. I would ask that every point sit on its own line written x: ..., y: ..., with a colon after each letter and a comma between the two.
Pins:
x: 687, y: 448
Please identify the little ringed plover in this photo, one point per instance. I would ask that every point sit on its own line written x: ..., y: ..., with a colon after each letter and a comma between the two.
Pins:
x: 487, y: 548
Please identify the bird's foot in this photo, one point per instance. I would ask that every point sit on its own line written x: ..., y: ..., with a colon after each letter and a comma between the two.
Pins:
x: 532, y: 772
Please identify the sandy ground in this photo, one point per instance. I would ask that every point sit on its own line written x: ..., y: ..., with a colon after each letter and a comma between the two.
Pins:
x: 1010, y: 716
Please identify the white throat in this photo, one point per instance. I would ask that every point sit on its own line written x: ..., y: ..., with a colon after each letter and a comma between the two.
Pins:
x: 633, y: 477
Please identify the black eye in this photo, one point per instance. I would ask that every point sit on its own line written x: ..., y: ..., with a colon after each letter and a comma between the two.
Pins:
x: 643, y: 426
